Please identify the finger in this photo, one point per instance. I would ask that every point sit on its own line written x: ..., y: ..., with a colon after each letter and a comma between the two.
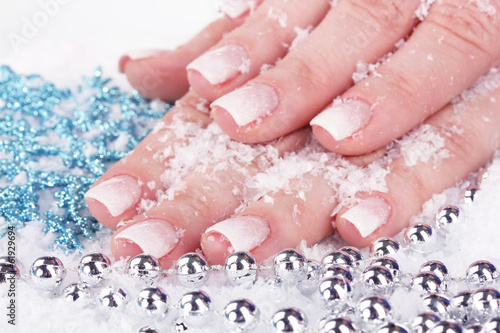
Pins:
x: 117, y: 195
x: 448, y: 51
x: 469, y: 134
x: 318, y: 69
x: 210, y: 193
x: 277, y: 221
x: 162, y: 74
x: 261, y: 40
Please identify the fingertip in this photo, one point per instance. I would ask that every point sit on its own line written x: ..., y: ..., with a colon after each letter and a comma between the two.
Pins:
x: 324, y: 138
x: 216, y: 247
x: 163, y: 76
x: 122, y: 63
x: 367, y: 220
x: 101, y: 213
x: 202, y: 86
x: 123, y: 249
x: 350, y: 233
x: 227, y: 123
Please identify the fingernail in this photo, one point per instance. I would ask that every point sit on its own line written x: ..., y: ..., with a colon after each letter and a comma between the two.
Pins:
x: 249, y: 103
x: 244, y: 232
x: 234, y: 8
x: 219, y: 65
x: 344, y: 119
x: 154, y: 237
x: 117, y: 194
x: 369, y: 215
x: 136, y: 54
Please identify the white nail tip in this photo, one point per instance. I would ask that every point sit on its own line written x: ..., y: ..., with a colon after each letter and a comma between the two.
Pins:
x: 145, y: 53
x: 249, y: 103
x: 369, y: 215
x: 117, y: 194
x: 154, y: 237
x: 344, y: 119
x: 244, y: 233
x: 234, y: 8
x: 219, y: 65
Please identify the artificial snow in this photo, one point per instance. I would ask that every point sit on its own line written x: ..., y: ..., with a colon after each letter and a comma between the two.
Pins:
x: 71, y: 46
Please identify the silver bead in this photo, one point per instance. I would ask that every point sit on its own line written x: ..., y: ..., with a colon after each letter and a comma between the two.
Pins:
x: 147, y: 329
x: 334, y: 291
x: 392, y: 328
x: 373, y: 311
x: 492, y: 326
x: 436, y: 267
x: 436, y: 303
x: 340, y: 271
x: 354, y: 253
x: 241, y: 315
x: 424, y: 322
x: 384, y: 247
x: 485, y: 302
x: 194, y: 304
x: 337, y: 258
x: 240, y: 268
x: 153, y: 301
x: 144, y: 268
x: 447, y: 215
x: 378, y: 278
x: 290, y: 266
x: 459, y: 306
x: 475, y: 328
x: 112, y: 298
x: 468, y: 194
x: 420, y: 237
x: 47, y: 273
x: 13, y: 261
x: 7, y: 272
x: 180, y: 325
x: 76, y: 292
x: 427, y: 282
x: 313, y: 274
x: 192, y: 270
x: 389, y: 263
x: 338, y: 325
x: 446, y: 326
x: 92, y: 268
x: 289, y: 320
x: 481, y: 272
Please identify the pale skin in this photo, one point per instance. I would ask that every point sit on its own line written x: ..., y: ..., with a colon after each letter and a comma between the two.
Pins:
x: 444, y: 54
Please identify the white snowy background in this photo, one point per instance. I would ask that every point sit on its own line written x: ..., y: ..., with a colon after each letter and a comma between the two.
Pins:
x: 63, y: 40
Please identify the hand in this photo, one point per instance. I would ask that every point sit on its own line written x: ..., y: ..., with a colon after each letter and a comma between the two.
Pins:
x: 321, y: 67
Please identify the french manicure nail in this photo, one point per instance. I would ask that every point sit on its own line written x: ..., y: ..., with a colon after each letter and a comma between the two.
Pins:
x: 249, y: 103
x: 368, y: 215
x: 143, y: 53
x: 219, y: 65
x: 117, y: 194
x: 234, y: 8
x: 136, y: 54
x: 244, y: 232
x: 344, y: 119
x: 154, y: 237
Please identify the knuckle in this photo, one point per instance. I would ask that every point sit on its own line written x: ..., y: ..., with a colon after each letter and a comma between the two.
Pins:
x: 310, y: 66
x: 463, y: 144
x: 471, y: 28
x: 402, y: 86
x: 414, y: 181
x: 388, y: 13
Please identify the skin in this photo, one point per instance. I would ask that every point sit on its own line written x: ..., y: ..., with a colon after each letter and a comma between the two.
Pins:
x: 464, y: 43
